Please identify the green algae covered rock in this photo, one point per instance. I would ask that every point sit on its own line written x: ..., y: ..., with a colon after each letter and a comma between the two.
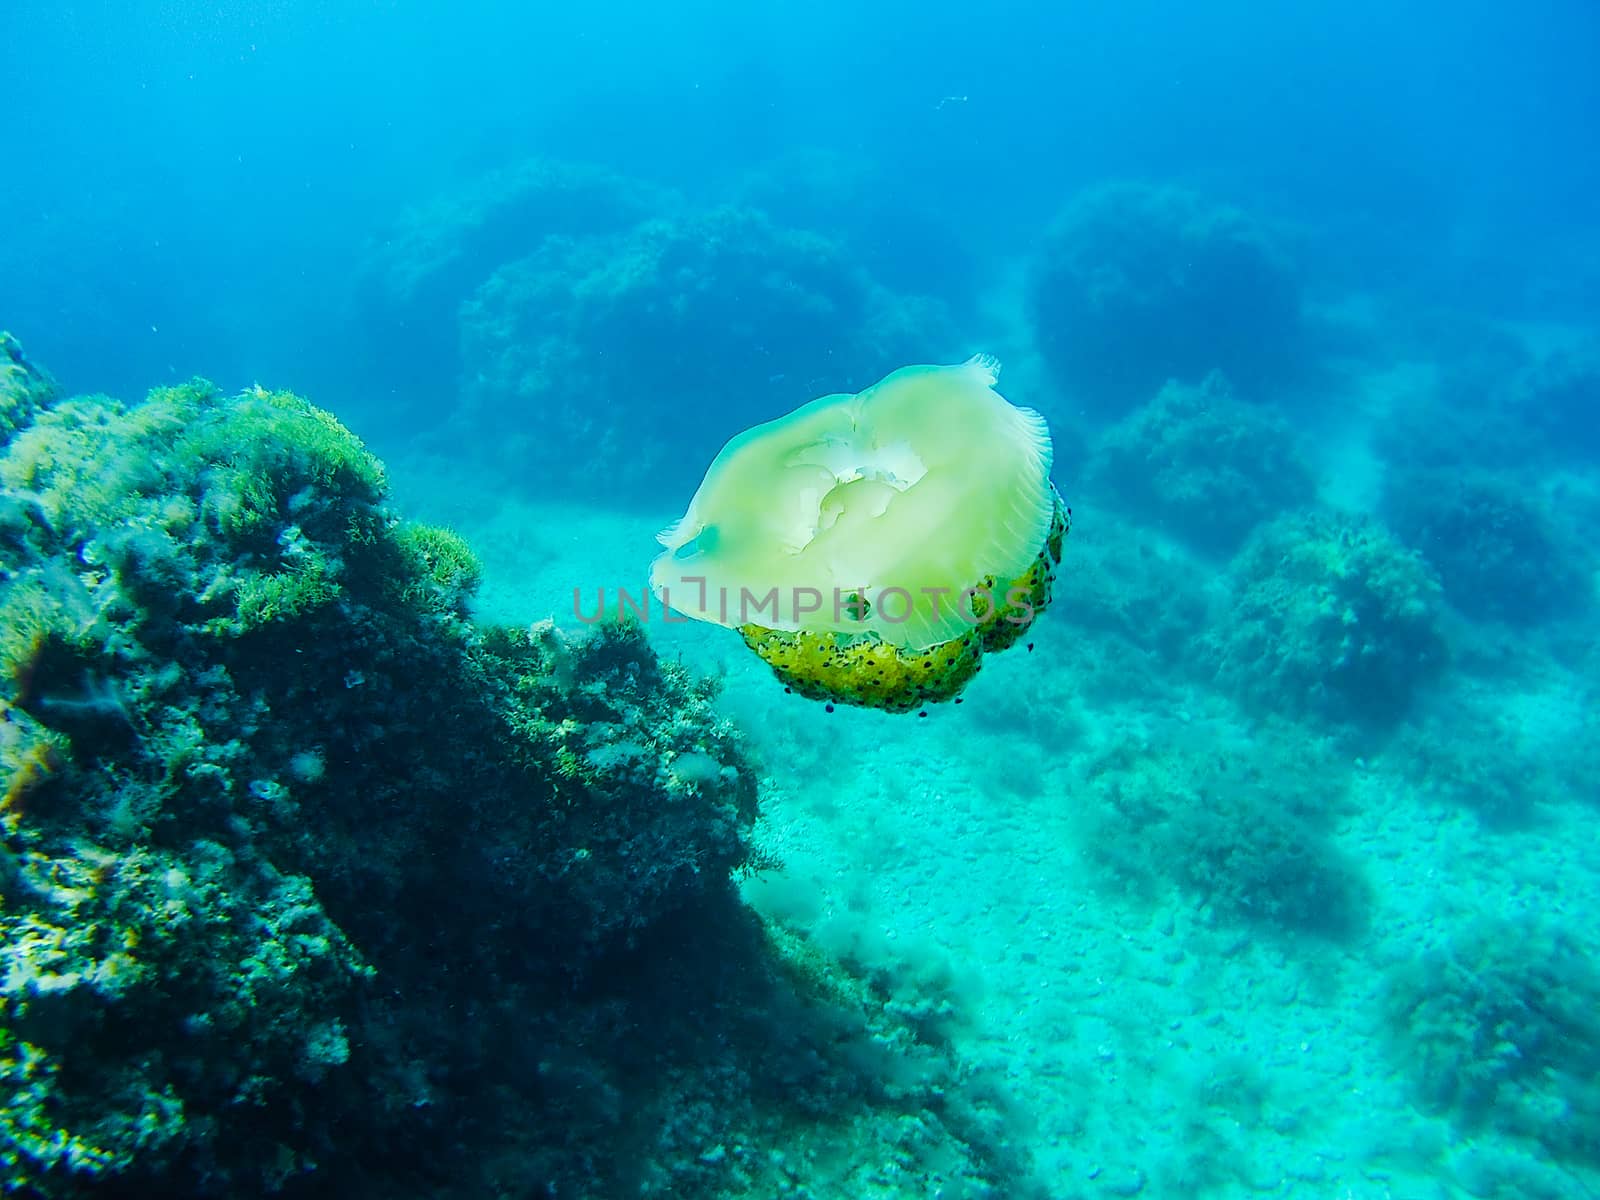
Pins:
x: 1203, y: 465
x: 1328, y: 615
x: 253, y: 749
x: 24, y: 388
x: 1503, y: 551
x: 1496, y: 1028
x: 545, y: 392
x: 311, y: 886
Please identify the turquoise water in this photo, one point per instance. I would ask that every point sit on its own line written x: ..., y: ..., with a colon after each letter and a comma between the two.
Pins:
x: 1265, y: 867
x: 1154, y: 1030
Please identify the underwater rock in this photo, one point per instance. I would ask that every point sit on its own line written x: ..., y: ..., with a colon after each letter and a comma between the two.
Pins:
x: 416, y: 272
x: 1244, y: 826
x: 24, y: 388
x: 1328, y: 615
x: 272, y: 798
x: 595, y: 365
x: 1495, y: 543
x: 313, y: 886
x: 1135, y: 285
x: 1496, y: 1028
x: 906, y: 238
x: 1557, y: 398
x: 1202, y: 465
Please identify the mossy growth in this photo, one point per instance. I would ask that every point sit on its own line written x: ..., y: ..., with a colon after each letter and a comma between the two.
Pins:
x: 1203, y: 465
x: 1135, y: 285
x: 283, y: 595
x: 251, y: 464
x: 1499, y: 1028
x: 274, y: 458
x: 225, y: 513
x: 1498, y: 549
x: 1329, y: 615
x: 1468, y: 751
x: 537, y: 401
x: 24, y: 388
x: 444, y: 572
x: 250, y: 748
x: 1243, y: 828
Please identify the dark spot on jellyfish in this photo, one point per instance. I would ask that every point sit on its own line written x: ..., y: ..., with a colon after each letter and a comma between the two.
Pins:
x: 829, y: 708
x: 1030, y: 645
x: 789, y: 691
x: 958, y: 699
x: 923, y: 713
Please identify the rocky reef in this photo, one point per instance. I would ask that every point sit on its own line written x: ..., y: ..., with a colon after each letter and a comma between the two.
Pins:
x: 722, y: 311
x: 314, y: 886
x: 1203, y: 466
x: 1135, y: 285
x: 1328, y: 616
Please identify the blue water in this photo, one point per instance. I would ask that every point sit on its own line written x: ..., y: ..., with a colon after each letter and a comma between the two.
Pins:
x: 1270, y: 870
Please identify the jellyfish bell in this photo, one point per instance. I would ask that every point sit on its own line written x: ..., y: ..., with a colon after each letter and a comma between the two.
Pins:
x: 872, y: 547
